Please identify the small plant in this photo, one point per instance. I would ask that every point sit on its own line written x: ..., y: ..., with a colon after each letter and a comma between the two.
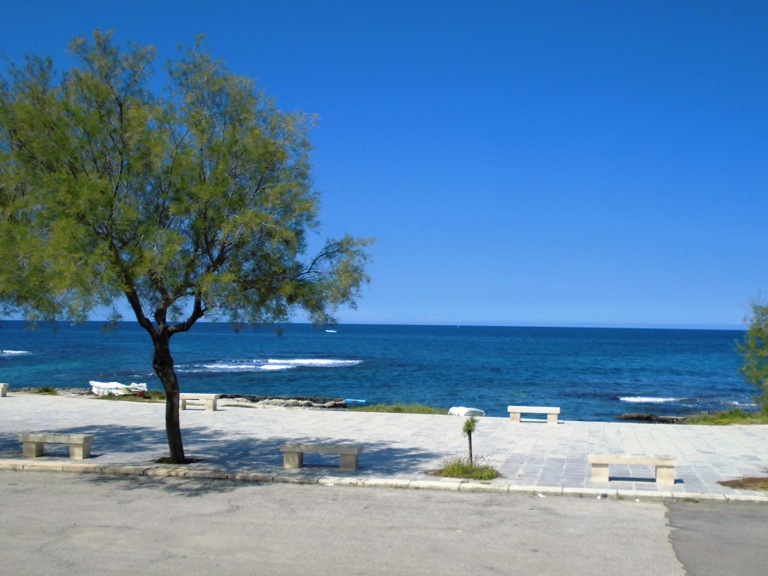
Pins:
x: 470, y: 425
x: 459, y: 467
x: 50, y: 390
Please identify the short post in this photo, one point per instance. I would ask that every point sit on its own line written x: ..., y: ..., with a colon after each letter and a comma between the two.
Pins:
x: 599, y: 472
x: 665, y: 475
x: 82, y: 451
x: 3, y: 389
x: 33, y: 449
x: 348, y: 461
x: 293, y: 459
x: 551, y: 418
x: 210, y: 404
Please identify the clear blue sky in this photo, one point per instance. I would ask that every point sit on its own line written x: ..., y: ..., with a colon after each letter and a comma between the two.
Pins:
x: 519, y: 162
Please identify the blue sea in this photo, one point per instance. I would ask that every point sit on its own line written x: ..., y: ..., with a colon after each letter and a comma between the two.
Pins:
x: 593, y: 374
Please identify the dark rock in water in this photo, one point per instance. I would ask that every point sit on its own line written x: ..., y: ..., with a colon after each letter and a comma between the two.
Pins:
x: 289, y: 401
x: 641, y: 417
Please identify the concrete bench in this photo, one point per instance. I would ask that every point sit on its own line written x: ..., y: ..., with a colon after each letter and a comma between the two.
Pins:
x: 516, y: 411
x: 664, y: 466
x: 293, y: 454
x: 33, y: 443
x: 3, y: 390
x: 209, y: 399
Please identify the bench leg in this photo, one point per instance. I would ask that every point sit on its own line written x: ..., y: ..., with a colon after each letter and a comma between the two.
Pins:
x: 210, y: 405
x: 33, y: 449
x: 514, y: 417
x: 599, y: 472
x: 79, y: 451
x: 293, y: 459
x: 183, y: 403
x: 665, y: 475
x: 551, y: 418
x: 348, y: 461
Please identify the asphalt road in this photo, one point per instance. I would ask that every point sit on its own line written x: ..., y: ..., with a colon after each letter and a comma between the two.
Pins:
x: 717, y: 539
x: 55, y: 523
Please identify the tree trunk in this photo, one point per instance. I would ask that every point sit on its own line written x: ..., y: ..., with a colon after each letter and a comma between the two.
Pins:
x: 469, y: 437
x: 162, y: 362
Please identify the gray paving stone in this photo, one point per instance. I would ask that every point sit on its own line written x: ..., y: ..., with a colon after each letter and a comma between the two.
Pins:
x: 399, y: 449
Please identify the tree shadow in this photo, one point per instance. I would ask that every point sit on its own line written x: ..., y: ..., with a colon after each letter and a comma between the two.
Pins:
x: 186, y: 487
x: 117, y: 444
x: 639, y: 480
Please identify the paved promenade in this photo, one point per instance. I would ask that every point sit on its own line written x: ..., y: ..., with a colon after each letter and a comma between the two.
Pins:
x: 242, y: 443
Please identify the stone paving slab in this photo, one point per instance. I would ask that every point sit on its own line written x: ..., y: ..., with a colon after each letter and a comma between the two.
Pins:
x: 399, y: 450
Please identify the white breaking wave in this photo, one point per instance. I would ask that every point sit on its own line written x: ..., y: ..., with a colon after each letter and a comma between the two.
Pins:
x: 648, y: 399
x: 745, y: 404
x: 269, y: 365
x: 222, y: 367
x: 276, y: 367
x: 313, y: 362
x: 14, y: 352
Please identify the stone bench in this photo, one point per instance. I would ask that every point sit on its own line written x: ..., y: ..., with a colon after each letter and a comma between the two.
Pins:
x: 33, y: 443
x: 209, y: 399
x: 293, y: 454
x: 664, y: 466
x: 516, y: 411
x: 3, y: 390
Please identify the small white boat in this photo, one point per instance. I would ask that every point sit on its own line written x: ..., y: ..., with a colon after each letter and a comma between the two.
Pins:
x: 331, y: 331
x: 464, y: 411
x: 116, y: 389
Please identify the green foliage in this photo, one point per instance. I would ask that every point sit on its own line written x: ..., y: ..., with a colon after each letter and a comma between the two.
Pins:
x: 148, y: 396
x: 47, y: 390
x: 191, y: 203
x: 194, y: 202
x: 462, y: 468
x: 752, y: 483
x: 401, y: 409
x: 755, y: 352
x: 729, y: 417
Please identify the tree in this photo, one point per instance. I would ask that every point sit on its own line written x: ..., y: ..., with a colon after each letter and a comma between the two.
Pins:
x: 754, y: 349
x: 193, y: 203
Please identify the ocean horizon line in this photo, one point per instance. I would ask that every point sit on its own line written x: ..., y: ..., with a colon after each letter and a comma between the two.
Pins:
x: 597, y: 326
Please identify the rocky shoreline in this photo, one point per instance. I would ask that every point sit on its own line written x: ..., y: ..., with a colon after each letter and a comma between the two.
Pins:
x: 244, y: 399
x: 287, y: 401
x: 336, y: 403
x: 642, y: 417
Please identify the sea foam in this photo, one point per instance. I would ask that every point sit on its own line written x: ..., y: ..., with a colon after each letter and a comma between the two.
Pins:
x: 648, y: 399
x: 269, y: 365
x: 313, y: 362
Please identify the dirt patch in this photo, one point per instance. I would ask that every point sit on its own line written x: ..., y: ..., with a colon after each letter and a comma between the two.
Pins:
x: 747, y: 483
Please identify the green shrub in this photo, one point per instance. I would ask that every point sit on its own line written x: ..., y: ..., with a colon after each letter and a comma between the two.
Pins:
x: 735, y: 416
x: 459, y: 467
x: 47, y: 390
x: 401, y: 409
x: 148, y: 396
